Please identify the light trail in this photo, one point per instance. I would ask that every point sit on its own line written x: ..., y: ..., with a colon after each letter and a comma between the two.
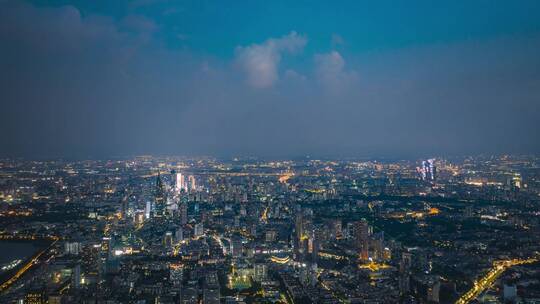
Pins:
x: 25, y: 268
x: 220, y: 242
x: 485, y: 282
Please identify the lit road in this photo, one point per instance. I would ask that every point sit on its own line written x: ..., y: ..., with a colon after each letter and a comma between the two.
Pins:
x: 25, y: 268
x: 325, y: 286
x: 485, y: 282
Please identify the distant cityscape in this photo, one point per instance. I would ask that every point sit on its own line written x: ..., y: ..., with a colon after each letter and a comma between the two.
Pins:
x: 247, y: 230
x: 269, y: 152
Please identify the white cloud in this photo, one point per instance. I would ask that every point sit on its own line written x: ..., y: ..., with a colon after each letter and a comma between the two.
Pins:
x: 330, y: 71
x: 260, y: 61
x: 294, y: 75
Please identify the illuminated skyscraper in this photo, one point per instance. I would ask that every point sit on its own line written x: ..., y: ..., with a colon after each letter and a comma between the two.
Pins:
x: 192, y: 185
x: 148, y: 210
x: 159, y: 198
x: 431, y: 168
x: 300, y: 239
x: 427, y: 170
x: 362, y: 239
x: 181, y: 184
x: 179, y: 234
x: 304, y: 237
x: 73, y: 248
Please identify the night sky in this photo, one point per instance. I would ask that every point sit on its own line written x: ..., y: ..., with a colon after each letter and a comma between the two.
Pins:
x: 102, y: 78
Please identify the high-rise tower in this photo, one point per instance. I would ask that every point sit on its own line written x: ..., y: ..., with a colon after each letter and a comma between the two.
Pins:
x: 159, y: 197
x: 362, y: 239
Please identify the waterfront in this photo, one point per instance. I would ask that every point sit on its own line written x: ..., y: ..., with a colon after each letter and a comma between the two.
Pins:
x: 13, y: 250
x: 21, y: 255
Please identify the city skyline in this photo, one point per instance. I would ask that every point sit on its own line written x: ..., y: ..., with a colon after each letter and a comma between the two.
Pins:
x: 269, y: 152
x: 201, y: 230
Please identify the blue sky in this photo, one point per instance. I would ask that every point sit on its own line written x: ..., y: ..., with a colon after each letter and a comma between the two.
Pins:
x: 217, y: 27
x: 270, y: 78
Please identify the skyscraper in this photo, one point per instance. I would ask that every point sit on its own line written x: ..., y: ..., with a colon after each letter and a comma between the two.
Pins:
x: 124, y: 207
x: 300, y: 238
x: 405, y: 273
x: 192, y: 183
x: 427, y: 170
x: 362, y: 239
x: 148, y: 210
x: 179, y: 234
x: 183, y: 213
x: 304, y: 237
x: 159, y: 197
x: 76, y: 277
x: 181, y: 183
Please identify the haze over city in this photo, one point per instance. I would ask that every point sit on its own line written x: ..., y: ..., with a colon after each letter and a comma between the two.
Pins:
x: 269, y: 78
x: 269, y: 152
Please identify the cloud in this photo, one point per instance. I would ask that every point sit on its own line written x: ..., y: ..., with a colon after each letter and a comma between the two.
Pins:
x: 89, y: 85
x: 60, y: 33
x: 294, y: 76
x: 140, y: 26
x: 138, y: 23
x: 144, y: 3
x: 330, y: 71
x: 337, y: 40
x: 260, y: 62
x: 52, y: 29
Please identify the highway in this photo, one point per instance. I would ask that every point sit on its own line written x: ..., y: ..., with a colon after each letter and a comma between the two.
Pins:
x: 486, y: 281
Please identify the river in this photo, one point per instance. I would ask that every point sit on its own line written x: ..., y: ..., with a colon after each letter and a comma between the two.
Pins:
x: 11, y: 251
